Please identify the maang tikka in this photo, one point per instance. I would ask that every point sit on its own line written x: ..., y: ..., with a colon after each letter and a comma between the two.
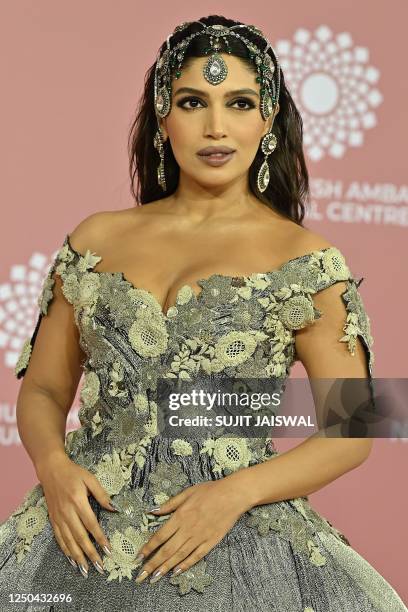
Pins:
x: 215, y: 71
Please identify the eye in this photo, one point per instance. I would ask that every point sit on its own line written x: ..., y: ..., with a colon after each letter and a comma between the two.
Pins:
x: 183, y: 100
x: 246, y: 101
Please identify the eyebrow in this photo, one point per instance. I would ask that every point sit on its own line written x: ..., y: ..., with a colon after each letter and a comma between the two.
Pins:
x: 234, y: 92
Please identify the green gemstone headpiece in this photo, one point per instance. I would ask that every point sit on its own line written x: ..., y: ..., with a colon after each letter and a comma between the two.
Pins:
x: 215, y: 69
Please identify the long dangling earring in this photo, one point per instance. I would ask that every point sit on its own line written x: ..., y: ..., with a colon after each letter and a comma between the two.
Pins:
x: 268, y: 144
x: 159, y: 146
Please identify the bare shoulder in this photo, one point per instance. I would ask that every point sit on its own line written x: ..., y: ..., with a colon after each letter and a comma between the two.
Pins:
x: 308, y: 241
x: 93, y: 231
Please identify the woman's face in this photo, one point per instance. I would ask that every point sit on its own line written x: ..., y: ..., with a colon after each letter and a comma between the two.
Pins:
x: 215, y: 115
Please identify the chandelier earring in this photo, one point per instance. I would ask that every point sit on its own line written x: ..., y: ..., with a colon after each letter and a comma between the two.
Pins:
x: 159, y: 146
x: 268, y: 145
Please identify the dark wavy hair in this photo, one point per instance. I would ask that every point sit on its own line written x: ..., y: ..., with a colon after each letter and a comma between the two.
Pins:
x: 288, y: 188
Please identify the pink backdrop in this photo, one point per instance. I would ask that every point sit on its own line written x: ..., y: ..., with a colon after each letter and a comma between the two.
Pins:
x: 72, y: 73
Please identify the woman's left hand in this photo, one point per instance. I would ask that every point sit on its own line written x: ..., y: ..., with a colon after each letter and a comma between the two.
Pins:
x: 204, y: 513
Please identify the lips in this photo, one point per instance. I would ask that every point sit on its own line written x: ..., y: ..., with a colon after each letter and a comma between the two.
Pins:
x: 214, y: 150
x: 216, y: 159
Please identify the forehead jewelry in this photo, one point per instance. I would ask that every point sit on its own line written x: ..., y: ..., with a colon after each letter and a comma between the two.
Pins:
x: 215, y: 71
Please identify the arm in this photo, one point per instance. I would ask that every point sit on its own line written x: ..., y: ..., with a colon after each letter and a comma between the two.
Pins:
x: 50, y: 382
x: 317, y: 461
x: 54, y: 367
x: 51, y: 363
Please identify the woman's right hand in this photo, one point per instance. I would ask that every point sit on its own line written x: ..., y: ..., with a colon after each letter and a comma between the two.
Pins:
x: 66, y: 488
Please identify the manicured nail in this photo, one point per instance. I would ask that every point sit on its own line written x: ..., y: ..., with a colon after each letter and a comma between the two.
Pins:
x: 153, y: 509
x: 71, y: 560
x: 156, y: 576
x: 98, y: 567
x: 107, y: 550
x: 114, y: 506
x: 83, y: 570
x: 140, y: 575
x: 176, y: 571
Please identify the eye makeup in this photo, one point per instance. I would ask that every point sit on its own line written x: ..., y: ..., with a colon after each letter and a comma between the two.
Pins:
x: 248, y: 101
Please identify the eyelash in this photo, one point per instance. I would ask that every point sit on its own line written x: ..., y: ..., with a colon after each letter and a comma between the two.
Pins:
x: 181, y: 102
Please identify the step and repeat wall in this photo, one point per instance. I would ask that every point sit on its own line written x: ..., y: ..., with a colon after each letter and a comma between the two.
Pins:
x: 72, y: 75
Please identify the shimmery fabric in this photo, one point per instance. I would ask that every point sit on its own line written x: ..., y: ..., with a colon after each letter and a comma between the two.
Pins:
x: 279, y: 557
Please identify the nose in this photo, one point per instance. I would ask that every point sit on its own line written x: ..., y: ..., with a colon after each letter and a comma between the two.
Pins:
x: 214, y: 123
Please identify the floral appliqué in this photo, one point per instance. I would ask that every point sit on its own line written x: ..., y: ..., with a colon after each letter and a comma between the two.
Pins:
x: 238, y: 326
x: 194, y: 577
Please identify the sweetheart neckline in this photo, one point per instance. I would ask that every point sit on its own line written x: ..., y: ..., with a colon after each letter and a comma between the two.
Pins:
x: 199, y: 281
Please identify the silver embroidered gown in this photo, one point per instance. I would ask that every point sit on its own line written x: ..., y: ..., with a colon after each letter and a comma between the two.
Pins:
x: 278, y: 557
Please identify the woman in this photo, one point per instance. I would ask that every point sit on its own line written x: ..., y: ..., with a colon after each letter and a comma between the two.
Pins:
x: 174, y: 523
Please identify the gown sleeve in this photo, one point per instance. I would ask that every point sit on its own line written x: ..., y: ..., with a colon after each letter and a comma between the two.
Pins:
x: 62, y: 284
x: 45, y: 297
x: 340, y: 330
x: 357, y: 324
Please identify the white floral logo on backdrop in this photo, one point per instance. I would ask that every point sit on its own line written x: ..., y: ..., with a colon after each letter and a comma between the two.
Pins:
x: 333, y: 87
x: 19, y: 308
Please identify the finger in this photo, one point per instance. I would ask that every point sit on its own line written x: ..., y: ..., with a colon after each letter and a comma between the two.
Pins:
x: 75, y: 551
x: 161, y: 536
x: 62, y: 545
x: 159, y: 564
x: 89, y: 520
x: 97, y: 490
x: 183, y: 565
x: 82, y: 544
x: 171, y: 504
x: 82, y: 538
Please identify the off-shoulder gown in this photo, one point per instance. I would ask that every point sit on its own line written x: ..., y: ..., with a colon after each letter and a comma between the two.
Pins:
x: 278, y: 557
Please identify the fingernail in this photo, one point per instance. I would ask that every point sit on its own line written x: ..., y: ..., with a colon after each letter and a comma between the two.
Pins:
x: 107, y: 550
x: 114, y: 506
x: 71, y: 560
x: 140, y: 576
x: 98, y: 567
x: 176, y: 571
x: 156, y: 576
x: 153, y: 509
x: 83, y: 570
x: 140, y: 556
